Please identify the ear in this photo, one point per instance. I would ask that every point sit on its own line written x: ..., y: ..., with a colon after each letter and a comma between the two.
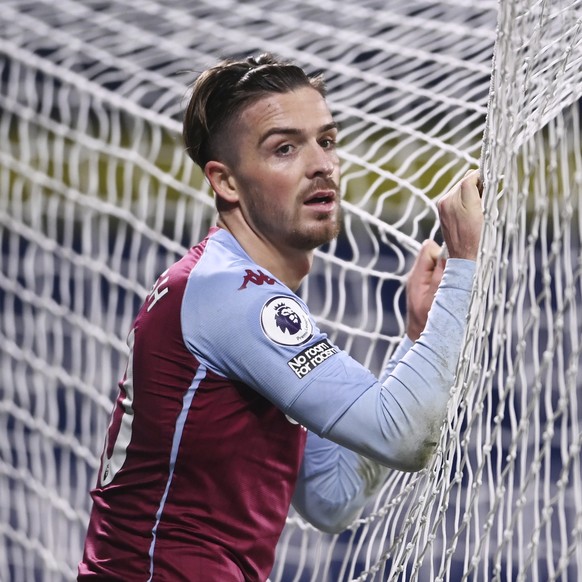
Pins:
x: 221, y: 180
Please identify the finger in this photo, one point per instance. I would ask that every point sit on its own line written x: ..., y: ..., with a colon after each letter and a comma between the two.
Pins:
x: 479, y: 182
x: 429, y: 254
x: 472, y: 177
x: 471, y: 188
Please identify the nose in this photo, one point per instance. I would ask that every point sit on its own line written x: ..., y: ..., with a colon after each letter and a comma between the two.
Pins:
x: 322, y: 162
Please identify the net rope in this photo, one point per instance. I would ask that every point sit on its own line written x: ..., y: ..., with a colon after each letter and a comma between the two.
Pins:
x: 97, y: 198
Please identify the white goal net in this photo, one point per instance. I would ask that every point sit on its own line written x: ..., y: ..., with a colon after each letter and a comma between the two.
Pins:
x: 97, y: 198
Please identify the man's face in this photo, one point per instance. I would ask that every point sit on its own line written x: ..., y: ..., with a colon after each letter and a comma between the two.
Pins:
x: 287, y: 169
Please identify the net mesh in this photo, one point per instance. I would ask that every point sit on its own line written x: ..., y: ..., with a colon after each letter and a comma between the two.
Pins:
x: 97, y: 198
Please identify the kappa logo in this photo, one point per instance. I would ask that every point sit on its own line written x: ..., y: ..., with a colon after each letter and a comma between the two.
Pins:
x: 285, y: 321
x: 257, y: 278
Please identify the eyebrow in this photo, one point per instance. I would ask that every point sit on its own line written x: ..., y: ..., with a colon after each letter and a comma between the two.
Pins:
x: 294, y: 131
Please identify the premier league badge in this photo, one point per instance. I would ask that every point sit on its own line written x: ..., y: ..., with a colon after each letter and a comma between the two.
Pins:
x: 285, y: 321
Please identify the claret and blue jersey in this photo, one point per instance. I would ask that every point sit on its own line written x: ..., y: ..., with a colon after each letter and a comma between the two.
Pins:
x: 208, y: 441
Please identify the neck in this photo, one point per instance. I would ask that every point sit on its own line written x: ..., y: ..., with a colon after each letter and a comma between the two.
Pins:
x: 289, y: 265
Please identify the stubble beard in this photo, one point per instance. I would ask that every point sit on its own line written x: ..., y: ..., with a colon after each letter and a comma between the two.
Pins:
x: 323, y: 229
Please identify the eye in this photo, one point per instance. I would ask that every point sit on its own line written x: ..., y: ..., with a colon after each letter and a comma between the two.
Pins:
x: 285, y: 149
x: 327, y: 143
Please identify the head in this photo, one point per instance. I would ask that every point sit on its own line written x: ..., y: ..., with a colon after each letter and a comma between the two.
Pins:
x: 222, y: 91
x: 263, y: 134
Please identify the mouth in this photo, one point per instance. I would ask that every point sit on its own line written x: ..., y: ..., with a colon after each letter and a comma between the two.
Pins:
x: 321, y: 199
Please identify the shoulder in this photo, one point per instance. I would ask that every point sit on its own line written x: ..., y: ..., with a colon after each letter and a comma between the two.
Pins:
x: 225, y: 273
x: 230, y: 299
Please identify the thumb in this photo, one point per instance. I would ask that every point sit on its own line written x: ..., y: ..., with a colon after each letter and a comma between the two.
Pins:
x: 471, y: 187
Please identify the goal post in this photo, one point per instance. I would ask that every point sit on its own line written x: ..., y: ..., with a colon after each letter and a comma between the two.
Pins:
x: 97, y: 197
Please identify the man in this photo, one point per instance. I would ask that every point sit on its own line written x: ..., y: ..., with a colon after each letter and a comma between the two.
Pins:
x: 207, y: 448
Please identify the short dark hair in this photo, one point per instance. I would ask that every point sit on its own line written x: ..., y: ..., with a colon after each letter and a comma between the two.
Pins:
x: 220, y: 92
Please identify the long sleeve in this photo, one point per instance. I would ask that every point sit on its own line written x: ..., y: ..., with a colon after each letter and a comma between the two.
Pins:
x: 398, y: 421
x: 335, y: 482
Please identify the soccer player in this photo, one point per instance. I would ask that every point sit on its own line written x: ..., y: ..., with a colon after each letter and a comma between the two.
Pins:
x: 234, y: 404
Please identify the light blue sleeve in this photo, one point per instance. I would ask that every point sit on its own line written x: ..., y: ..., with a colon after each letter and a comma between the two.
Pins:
x: 398, y: 422
x: 335, y: 482
x: 405, y: 344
